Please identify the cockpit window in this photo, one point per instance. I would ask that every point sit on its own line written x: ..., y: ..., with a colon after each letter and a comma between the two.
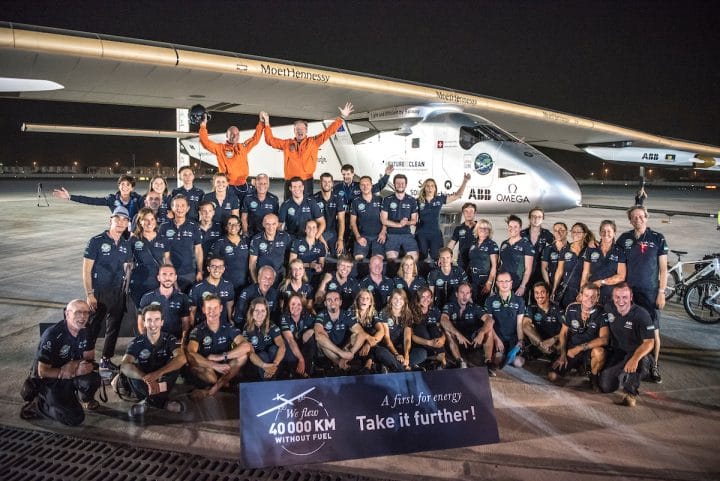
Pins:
x: 470, y: 136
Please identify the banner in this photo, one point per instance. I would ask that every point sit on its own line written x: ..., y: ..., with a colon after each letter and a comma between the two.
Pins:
x: 330, y: 419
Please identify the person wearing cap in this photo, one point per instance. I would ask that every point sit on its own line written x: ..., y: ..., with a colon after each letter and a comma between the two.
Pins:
x: 125, y: 197
x: 232, y: 155
x: 106, y: 262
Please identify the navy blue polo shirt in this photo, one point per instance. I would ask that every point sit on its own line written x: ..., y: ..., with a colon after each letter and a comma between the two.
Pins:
x: 338, y: 330
x: 162, y: 212
x: 396, y: 328
x: 368, y: 215
x: 397, y: 210
x: 512, y: 258
x: 305, y: 291
x: 603, y: 266
x: 271, y: 253
x: 193, y: 195
x: 347, y: 291
x: 467, y: 320
x: 210, y: 237
x: 479, y: 258
x: 330, y: 209
x: 57, y: 346
x: 261, y: 341
x: 628, y: 332
x: 182, y: 240
x: 572, y: 268
x: 505, y: 313
x: 257, y: 209
x: 551, y: 255
x: 547, y: 323
x: 245, y: 298
x: 224, y: 210
x: 287, y: 323
x: 174, y: 309
x: 580, y: 331
x: 641, y: 257
x: 108, y: 271
x: 224, y: 290
x: 150, y: 357
x: 415, y: 285
x: 351, y: 191
x: 429, y: 214
x: 464, y: 237
x: 544, y: 239
x: 148, y: 257
x: 210, y: 342
x: 308, y: 253
x: 431, y: 321
x: 380, y: 291
x: 236, y: 259
x: 445, y: 285
x: 295, y: 215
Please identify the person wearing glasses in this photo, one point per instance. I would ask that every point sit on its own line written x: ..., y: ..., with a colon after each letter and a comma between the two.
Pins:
x: 214, y: 284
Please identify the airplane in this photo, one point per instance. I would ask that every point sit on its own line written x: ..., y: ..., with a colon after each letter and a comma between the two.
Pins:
x: 423, y: 130
x: 285, y: 402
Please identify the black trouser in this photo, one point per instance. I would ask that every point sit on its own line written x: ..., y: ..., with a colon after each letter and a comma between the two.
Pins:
x: 58, y: 398
x: 140, y: 388
x: 614, y: 375
x: 110, y: 308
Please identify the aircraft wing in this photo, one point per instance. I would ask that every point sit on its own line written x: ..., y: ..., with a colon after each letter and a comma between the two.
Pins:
x: 103, y: 69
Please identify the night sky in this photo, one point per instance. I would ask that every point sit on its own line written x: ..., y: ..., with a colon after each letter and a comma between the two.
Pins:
x: 646, y: 65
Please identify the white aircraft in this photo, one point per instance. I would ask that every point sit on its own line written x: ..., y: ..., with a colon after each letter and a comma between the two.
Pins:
x: 425, y: 131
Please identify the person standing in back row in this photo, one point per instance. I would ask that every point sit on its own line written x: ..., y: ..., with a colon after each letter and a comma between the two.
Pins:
x: 300, y: 153
x: 232, y: 155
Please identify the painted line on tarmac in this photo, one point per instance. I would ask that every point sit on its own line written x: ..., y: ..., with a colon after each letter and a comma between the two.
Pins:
x: 31, y: 303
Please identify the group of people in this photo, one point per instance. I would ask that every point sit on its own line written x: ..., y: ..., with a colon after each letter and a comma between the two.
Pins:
x: 232, y: 284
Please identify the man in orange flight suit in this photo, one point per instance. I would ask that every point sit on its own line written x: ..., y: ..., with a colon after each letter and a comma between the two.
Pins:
x: 232, y: 155
x: 300, y: 153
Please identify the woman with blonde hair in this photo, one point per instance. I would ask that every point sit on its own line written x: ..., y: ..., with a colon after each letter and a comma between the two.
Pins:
x: 482, y: 261
x: 364, y: 313
x: 407, y: 277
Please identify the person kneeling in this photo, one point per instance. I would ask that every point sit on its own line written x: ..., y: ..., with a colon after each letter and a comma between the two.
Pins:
x: 152, y: 363
x: 583, y: 337
x: 64, y: 370
x: 632, y: 338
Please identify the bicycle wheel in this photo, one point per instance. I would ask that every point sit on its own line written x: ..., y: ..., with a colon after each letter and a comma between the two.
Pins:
x: 672, y: 282
x: 702, y: 301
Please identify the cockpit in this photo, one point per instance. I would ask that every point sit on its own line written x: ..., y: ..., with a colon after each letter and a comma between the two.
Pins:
x: 470, y: 136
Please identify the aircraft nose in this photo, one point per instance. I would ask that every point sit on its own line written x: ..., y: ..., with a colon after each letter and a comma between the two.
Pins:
x: 555, y: 188
x: 560, y: 191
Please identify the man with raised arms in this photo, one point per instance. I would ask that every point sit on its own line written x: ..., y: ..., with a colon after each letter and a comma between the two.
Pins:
x: 300, y: 153
x: 232, y: 155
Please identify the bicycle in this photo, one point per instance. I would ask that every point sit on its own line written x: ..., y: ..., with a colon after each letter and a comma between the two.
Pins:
x: 702, y: 297
x: 677, y: 283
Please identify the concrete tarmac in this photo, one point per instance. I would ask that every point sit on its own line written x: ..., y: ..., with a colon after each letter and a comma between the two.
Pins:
x: 547, y: 431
